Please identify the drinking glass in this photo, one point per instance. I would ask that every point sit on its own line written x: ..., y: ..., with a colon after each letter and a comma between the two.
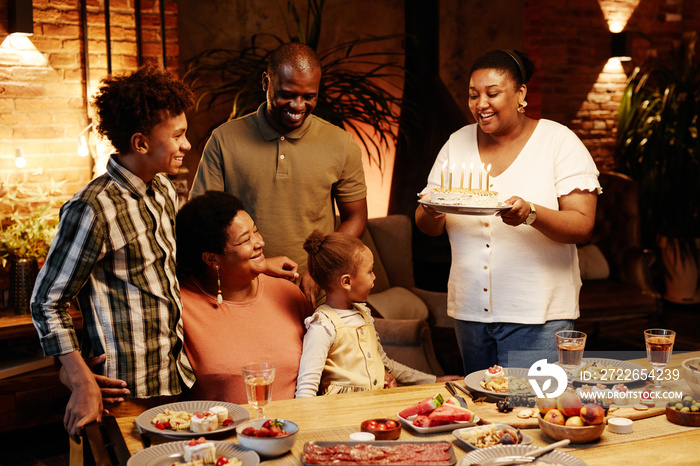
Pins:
x: 570, y: 344
x: 659, y: 344
x: 258, y: 377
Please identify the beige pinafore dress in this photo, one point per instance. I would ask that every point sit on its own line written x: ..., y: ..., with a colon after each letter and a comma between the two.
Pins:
x: 353, y: 363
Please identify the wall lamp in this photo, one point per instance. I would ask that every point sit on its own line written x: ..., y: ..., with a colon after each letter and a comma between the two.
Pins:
x: 20, y: 161
x: 21, y: 17
x: 83, y: 147
x: 619, y: 46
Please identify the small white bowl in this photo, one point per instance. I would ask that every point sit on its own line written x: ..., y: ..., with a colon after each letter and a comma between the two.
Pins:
x: 692, y: 376
x: 268, y: 446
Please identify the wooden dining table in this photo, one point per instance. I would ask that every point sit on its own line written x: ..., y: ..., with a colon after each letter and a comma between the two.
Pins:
x: 332, y: 418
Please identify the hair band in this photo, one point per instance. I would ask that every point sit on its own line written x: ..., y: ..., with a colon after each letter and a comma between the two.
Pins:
x: 517, y: 59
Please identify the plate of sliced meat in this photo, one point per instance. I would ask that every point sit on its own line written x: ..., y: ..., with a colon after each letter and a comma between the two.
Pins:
x: 392, y: 453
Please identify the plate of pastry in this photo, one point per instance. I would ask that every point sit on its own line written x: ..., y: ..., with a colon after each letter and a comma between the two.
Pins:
x: 187, y: 419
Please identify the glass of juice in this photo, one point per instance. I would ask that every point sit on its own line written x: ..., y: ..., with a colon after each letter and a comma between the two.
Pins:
x: 258, y: 377
x: 570, y: 345
x: 659, y: 344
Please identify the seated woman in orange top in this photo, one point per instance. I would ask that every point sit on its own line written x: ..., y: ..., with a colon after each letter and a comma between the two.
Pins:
x: 233, y: 313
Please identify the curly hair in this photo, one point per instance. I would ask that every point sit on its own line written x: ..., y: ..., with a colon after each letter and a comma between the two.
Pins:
x: 201, y: 226
x: 331, y: 256
x: 136, y: 102
x: 507, y: 61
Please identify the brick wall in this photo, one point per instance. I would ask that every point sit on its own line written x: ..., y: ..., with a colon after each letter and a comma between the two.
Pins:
x: 576, y: 84
x: 43, y: 100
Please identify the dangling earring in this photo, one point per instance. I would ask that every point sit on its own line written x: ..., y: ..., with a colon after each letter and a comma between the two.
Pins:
x: 219, y: 298
x: 521, y: 107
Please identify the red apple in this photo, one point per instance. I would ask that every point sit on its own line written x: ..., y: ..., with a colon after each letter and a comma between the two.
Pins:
x: 574, y: 421
x: 546, y: 404
x: 555, y: 417
x: 569, y: 404
x: 592, y: 414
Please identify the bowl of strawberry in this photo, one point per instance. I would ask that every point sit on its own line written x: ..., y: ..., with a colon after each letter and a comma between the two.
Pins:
x: 383, y: 429
x: 268, y: 437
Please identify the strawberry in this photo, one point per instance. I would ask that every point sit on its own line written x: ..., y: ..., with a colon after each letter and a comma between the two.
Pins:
x: 263, y: 432
x: 276, y: 431
x: 249, y: 431
x: 221, y: 461
x: 196, y: 441
x: 227, y: 422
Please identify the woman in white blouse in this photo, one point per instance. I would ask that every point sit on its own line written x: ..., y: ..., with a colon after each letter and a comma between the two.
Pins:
x: 514, y: 281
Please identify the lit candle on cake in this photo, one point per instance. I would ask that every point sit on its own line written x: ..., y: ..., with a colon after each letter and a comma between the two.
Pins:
x: 480, y: 173
x: 452, y: 169
x: 471, y: 169
x: 461, y: 182
x: 442, y: 175
x: 488, y: 169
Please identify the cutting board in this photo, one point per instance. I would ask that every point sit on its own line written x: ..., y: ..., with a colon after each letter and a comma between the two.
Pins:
x: 490, y: 415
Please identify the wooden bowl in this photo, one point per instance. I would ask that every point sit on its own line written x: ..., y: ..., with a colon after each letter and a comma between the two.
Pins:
x: 684, y: 419
x: 389, y: 434
x: 584, y: 434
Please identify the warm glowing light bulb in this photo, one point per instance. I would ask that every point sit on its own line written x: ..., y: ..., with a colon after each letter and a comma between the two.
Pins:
x: 20, y: 161
x: 616, y: 26
x: 83, y: 149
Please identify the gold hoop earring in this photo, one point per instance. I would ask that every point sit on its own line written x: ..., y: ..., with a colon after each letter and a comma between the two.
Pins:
x: 219, y: 298
x: 521, y: 107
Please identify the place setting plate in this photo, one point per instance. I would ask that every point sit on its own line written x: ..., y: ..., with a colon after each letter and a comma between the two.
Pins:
x: 173, y: 452
x: 464, y: 210
x: 238, y: 413
x: 473, y: 382
x: 552, y: 457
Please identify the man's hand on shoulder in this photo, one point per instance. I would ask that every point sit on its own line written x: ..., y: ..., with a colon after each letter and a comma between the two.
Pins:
x: 310, y: 288
x: 283, y: 267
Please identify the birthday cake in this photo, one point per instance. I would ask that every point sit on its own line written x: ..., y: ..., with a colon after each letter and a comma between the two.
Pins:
x: 464, y: 197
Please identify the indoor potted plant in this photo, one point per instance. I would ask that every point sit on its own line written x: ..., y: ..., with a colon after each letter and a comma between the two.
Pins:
x: 29, y: 223
x: 358, y: 87
x: 659, y: 146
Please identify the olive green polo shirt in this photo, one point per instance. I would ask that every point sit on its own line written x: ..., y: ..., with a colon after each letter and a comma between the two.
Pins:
x: 287, y: 183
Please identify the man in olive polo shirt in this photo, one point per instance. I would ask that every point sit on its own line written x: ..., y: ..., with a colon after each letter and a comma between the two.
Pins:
x: 287, y: 165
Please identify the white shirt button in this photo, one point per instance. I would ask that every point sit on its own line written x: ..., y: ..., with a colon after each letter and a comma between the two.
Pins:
x: 369, y: 355
x: 362, y: 331
x: 281, y: 138
x: 281, y: 156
